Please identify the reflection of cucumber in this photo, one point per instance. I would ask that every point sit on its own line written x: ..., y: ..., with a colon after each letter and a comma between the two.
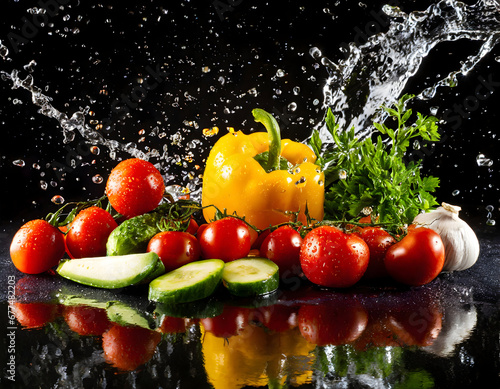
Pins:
x: 190, y: 282
x: 110, y: 272
x: 126, y: 315
x: 199, y: 309
x: 251, y: 276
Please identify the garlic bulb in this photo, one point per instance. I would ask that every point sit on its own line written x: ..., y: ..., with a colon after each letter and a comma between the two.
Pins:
x: 460, y: 241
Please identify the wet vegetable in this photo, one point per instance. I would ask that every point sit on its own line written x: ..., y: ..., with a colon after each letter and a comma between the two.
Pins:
x: 460, y: 241
x: 252, y: 165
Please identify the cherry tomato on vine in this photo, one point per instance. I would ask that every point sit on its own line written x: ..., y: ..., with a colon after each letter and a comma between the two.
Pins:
x: 37, y: 247
x: 378, y: 241
x: 416, y: 259
x: 332, y: 258
x: 88, y: 233
x: 134, y: 187
x: 175, y: 248
x: 282, y: 246
x: 227, y: 239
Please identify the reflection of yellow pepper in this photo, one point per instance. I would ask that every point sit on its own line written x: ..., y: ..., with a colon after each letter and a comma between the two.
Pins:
x: 265, y: 195
x: 257, y: 357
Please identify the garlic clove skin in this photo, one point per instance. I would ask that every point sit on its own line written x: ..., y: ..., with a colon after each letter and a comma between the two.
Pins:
x: 460, y: 241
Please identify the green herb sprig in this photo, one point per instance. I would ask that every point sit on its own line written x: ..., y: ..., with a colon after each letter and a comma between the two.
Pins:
x: 372, y: 176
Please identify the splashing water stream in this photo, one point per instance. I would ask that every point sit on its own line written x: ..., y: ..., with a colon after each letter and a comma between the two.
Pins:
x: 373, y: 74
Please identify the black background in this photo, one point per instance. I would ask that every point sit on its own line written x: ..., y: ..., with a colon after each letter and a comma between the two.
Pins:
x: 214, y: 55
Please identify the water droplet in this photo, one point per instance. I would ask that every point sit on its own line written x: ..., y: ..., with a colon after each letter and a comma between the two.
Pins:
x: 97, y: 179
x: 19, y: 162
x: 491, y: 222
x: 490, y: 208
x: 205, y: 69
x: 292, y: 107
x: 208, y: 132
x: 482, y: 160
x: 296, y: 90
x: 456, y: 192
x: 58, y: 199
x: 95, y: 150
x: 315, y: 52
x: 342, y: 174
x: 301, y: 182
x: 280, y: 73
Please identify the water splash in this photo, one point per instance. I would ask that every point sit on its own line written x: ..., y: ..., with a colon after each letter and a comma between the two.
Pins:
x: 376, y: 72
x: 69, y: 124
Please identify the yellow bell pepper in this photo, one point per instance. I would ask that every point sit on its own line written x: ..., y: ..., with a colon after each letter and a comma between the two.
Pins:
x: 235, y: 181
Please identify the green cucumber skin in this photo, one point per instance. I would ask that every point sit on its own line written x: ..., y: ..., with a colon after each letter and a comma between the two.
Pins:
x: 202, y: 289
x: 189, y: 294
x: 150, y: 266
x: 132, y: 236
x: 254, y: 289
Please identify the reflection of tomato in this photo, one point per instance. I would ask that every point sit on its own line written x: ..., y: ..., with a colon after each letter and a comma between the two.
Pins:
x: 172, y: 325
x: 35, y: 315
x: 332, y: 258
x: 229, y: 323
x: 378, y: 241
x: 37, y: 247
x: 88, y: 233
x: 280, y: 317
x: 86, y: 320
x: 127, y: 348
x: 332, y: 324
x: 418, y: 326
x: 416, y: 259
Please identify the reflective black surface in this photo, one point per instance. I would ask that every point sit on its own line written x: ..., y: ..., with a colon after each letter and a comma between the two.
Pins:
x: 157, y: 75
x: 444, y: 334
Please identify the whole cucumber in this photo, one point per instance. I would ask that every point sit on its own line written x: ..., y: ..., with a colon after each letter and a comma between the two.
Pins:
x: 132, y: 236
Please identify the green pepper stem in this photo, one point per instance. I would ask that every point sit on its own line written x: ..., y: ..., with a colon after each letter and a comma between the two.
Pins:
x: 273, y: 132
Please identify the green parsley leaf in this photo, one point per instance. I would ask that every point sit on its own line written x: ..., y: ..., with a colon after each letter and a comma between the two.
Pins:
x: 370, y: 176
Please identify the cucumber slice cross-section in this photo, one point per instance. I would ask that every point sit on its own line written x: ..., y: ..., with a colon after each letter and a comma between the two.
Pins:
x: 110, y: 272
x: 191, y: 282
x: 247, y: 277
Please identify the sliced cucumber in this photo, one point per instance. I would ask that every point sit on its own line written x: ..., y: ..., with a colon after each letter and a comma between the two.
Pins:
x: 190, y: 282
x: 251, y: 276
x: 110, y: 272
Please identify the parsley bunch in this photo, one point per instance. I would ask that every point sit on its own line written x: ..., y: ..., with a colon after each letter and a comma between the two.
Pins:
x: 371, y: 176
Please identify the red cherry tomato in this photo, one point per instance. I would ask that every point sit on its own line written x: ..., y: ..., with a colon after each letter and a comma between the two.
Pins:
x: 88, y: 233
x: 37, y: 247
x: 416, y: 259
x: 227, y: 239
x: 282, y: 246
x: 127, y: 348
x: 332, y: 324
x: 378, y: 241
x: 135, y: 187
x: 332, y: 258
x: 175, y: 248
x: 86, y: 320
